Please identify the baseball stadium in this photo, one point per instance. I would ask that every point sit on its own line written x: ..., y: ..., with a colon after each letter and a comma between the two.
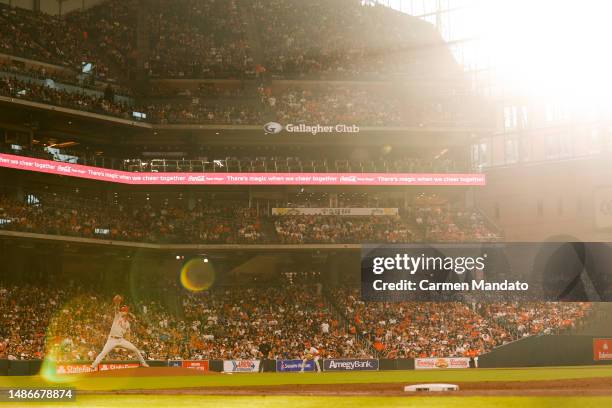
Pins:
x: 344, y: 203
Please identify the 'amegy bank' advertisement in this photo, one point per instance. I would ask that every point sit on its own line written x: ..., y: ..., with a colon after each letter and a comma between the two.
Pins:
x: 261, y: 179
x: 350, y: 364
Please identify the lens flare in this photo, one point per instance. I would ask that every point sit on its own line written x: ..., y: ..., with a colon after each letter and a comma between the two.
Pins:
x: 197, y: 275
x: 72, y: 338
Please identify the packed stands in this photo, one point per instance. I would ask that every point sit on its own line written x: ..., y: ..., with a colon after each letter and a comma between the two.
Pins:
x: 229, y: 323
x: 342, y: 38
x: 451, y: 329
x: 40, y: 92
x: 440, y: 224
x: 335, y: 104
x: 340, y: 229
x: 60, y: 77
x: 70, y: 216
x: 221, y: 223
x: 530, y: 318
x: 199, y: 39
x: 210, y: 39
x: 214, y: 39
x: 187, y: 112
x: 249, y: 54
x: 102, y: 36
x: 338, y: 105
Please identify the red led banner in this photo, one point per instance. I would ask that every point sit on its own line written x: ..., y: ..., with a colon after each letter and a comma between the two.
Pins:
x: 261, y: 179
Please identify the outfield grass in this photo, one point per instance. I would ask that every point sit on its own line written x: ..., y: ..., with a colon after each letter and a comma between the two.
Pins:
x: 361, y: 377
x: 124, y: 401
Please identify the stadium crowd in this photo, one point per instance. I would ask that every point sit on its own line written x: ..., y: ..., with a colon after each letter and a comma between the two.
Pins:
x: 223, y: 224
x: 349, y: 39
x: 440, y: 224
x: 327, y: 229
x: 188, y: 112
x: 64, y: 76
x: 530, y: 318
x: 451, y: 329
x: 230, y: 323
x: 103, y: 36
x: 214, y: 39
x: 41, y: 92
x: 339, y: 105
x: 208, y: 38
x: 68, y: 216
x: 335, y: 104
x: 199, y: 39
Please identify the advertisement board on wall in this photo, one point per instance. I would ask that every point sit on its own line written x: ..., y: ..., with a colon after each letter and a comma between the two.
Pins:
x: 73, y: 368
x: 350, y: 364
x: 602, y: 349
x: 335, y: 211
x: 120, y: 366
x: 241, y: 366
x: 441, y: 363
x: 61, y: 368
x: 238, y: 179
x: 201, y: 365
x: 294, y: 365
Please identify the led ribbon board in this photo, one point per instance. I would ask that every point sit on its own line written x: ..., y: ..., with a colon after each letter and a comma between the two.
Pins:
x: 261, y: 179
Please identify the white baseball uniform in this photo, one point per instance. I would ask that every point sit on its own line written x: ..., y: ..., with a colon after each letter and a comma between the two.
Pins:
x: 116, y: 339
x: 311, y: 354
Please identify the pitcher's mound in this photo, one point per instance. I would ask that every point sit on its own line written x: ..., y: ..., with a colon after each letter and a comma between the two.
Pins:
x: 150, y: 372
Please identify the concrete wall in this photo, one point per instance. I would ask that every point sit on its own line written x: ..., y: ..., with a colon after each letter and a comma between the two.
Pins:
x: 537, y: 202
x: 26, y: 4
x: 53, y: 7
x: 542, y: 351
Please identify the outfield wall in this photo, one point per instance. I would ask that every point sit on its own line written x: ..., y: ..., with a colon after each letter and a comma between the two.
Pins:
x: 536, y: 351
x: 543, y: 351
x: 32, y: 367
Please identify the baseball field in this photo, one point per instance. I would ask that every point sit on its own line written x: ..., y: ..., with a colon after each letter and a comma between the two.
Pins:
x: 178, y: 387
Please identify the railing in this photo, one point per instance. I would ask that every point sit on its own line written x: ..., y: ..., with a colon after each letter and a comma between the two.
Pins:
x: 490, y: 224
x: 246, y: 165
x: 341, y: 316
